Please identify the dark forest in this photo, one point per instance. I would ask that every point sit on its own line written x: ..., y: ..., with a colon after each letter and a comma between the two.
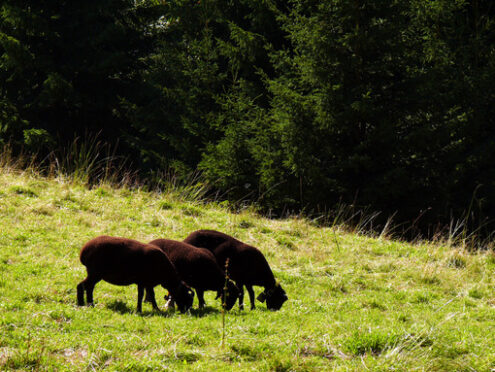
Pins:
x: 299, y: 106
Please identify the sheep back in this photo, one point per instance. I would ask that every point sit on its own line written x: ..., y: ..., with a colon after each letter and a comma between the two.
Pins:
x: 247, y: 264
x: 122, y: 261
x: 197, y: 267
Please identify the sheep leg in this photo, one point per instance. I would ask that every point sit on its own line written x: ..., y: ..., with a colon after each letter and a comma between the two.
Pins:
x: 90, y: 285
x: 241, y: 295
x: 150, y: 297
x: 251, y: 296
x: 87, y: 285
x: 140, y: 297
x: 80, y: 294
x: 201, y: 298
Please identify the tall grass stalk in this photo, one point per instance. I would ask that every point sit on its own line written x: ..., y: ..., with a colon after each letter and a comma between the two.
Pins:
x: 224, y: 300
x: 186, y: 187
x: 89, y: 160
x: 466, y: 218
x: 9, y: 161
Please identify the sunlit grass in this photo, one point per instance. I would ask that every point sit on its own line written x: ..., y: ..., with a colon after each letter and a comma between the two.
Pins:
x: 355, y: 302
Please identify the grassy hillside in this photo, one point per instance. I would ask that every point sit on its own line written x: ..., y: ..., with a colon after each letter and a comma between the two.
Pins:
x: 355, y: 303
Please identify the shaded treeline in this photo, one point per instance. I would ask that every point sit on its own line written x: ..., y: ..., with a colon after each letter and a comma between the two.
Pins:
x: 299, y: 105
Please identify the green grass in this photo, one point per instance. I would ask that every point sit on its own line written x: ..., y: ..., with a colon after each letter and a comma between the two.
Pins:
x: 355, y: 302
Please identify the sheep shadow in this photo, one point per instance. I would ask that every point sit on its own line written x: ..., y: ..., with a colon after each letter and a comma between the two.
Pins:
x: 207, y: 310
x: 121, y: 307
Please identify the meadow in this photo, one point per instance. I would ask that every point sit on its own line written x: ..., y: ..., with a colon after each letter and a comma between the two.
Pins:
x: 356, y: 302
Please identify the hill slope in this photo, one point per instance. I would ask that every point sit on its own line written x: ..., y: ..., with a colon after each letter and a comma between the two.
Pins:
x: 355, y: 303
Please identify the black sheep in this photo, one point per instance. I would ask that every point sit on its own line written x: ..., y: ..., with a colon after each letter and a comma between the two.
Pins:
x: 123, y: 261
x: 247, y: 266
x: 199, y: 269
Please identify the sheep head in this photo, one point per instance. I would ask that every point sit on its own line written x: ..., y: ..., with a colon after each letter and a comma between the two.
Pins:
x: 274, y: 297
x: 184, y: 297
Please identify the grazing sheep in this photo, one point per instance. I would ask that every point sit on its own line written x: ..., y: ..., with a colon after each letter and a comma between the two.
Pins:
x: 247, y: 266
x: 123, y: 261
x: 199, y: 269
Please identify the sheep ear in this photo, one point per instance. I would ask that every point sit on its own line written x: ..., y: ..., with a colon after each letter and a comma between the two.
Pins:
x: 262, y: 297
